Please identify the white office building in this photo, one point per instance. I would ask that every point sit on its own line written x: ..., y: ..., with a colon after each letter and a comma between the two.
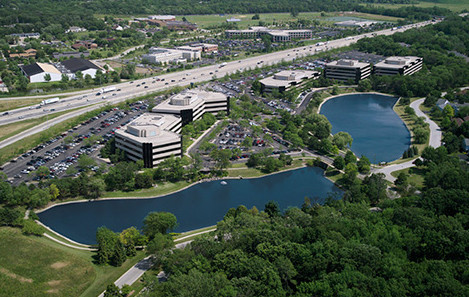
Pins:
x: 192, y: 104
x: 284, y: 80
x: 277, y: 35
x: 165, y: 55
x: 155, y: 136
x: 398, y: 65
x: 151, y: 138
x: 345, y: 70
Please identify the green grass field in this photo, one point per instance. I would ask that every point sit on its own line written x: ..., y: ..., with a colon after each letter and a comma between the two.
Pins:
x: 30, y: 267
x: 205, y: 21
x: 416, y: 176
x: 454, y: 5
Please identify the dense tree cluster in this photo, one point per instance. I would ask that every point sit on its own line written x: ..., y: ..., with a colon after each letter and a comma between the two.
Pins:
x: 437, y: 44
x: 413, y: 246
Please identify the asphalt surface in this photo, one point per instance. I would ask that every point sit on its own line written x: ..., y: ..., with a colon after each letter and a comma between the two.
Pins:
x: 14, y: 168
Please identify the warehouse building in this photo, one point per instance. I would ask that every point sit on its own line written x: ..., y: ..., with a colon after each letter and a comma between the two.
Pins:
x: 37, y: 72
x: 284, y: 80
x: 345, y: 70
x: 398, y: 65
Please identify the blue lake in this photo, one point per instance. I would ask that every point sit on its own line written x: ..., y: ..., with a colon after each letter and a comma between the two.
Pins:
x: 199, y: 206
x: 377, y: 131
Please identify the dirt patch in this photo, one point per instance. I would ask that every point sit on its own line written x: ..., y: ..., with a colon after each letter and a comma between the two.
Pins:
x: 58, y: 265
x: 15, y: 276
x: 54, y: 283
x: 52, y: 291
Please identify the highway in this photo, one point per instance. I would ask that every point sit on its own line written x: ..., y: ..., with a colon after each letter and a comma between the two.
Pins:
x: 133, y: 89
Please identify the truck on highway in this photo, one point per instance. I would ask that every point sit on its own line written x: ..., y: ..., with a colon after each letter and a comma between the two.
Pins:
x: 106, y: 90
x: 320, y: 43
x: 223, y: 64
x: 50, y: 101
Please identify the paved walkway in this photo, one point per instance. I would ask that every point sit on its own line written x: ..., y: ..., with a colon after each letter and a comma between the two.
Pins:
x: 68, y: 245
x: 435, y: 131
x: 434, y: 141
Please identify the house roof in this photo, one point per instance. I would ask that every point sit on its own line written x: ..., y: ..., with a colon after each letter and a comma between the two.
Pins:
x: 76, y: 64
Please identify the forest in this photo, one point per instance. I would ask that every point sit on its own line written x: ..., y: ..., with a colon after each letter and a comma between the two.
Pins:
x: 413, y: 246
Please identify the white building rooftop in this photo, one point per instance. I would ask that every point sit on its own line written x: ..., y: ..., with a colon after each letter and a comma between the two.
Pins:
x: 396, y: 62
x: 151, y: 128
x: 347, y: 64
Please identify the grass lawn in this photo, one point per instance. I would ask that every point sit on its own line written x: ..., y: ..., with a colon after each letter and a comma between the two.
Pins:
x: 205, y: 21
x: 38, y: 266
x: 13, y: 104
x: 161, y: 189
x: 454, y: 5
x: 30, y: 267
x: 416, y: 176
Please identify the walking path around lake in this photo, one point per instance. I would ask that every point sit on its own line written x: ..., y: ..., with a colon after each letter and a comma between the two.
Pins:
x: 434, y: 141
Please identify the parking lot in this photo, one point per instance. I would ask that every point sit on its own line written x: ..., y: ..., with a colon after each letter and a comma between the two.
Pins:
x: 63, y: 151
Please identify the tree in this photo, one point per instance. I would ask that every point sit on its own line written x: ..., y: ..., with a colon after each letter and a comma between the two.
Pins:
x: 95, y: 187
x: 106, y: 240
x: 159, y: 243
x: 54, y: 191
x: 143, y: 180
x: 339, y: 162
x: 342, y: 139
x: 65, y: 78
x: 47, y: 77
x: 272, y: 209
x: 363, y: 164
x: 256, y: 17
x: 158, y: 222
x: 112, y: 291
x: 85, y: 162
x: 119, y: 255
x: 350, y: 157
x: 42, y: 172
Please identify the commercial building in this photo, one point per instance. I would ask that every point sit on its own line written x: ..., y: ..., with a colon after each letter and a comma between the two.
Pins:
x: 233, y: 20
x: 151, y: 138
x: 155, y: 136
x: 277, y: 35
x: 71, y: 54
x: 22, y: 36
x: 345, y: 70
x: 398, y: 65
x: 353, y: 23
x: 284, y: 80
x: 199, y: 47
x: 37, y: 72
x: 162, y: 17
x: 158, y: 55
x: 73, y: 65
x: 86, y: 44
x: 180, y: 26
x: 192, y: 104
x: 74, y: 29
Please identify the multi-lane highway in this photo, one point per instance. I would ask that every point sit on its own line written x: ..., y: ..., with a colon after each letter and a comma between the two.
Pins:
x: 128, y: 90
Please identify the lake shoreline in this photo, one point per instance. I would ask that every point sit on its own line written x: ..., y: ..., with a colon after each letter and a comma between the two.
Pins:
x: 173, y: 192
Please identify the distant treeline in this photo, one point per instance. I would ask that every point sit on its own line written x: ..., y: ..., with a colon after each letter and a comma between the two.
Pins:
x: 29, y: 16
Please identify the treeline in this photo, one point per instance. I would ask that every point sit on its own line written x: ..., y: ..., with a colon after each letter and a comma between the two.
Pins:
x: 413, y: 246
x: 437, y: 44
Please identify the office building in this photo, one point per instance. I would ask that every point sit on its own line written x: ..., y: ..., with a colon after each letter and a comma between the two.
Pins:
x: 158, y: 55
x: 155, y: 136
x: 151, y: 138
x: 284, y: 80
x: 398, y: 65
x: 192, y: 104
x: 277, y: 35
x: 345, y: 70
